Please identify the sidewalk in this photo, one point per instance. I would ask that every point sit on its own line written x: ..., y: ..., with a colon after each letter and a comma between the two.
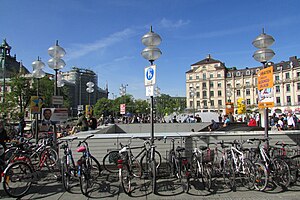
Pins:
x: 109, y: 188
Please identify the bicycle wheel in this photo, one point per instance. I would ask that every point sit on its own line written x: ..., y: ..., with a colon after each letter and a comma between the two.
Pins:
x: 261, y: 177
x: 295, y: 166
x: 110, y: 161
x: 229, y: 173
x: 280, y: 172
x: 95, y: 168
x: 84, y: 180
x: 195, y: 167
x: 248, y: 176
x: 185, y: 175
x: 207, y: 177
x: 66, y: 173
x: 48, y: 158
x: 125, y: 178
x: 18, y: 178
x: 147, y: 156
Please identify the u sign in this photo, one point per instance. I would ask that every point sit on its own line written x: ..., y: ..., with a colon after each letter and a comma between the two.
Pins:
x: 150, y: 75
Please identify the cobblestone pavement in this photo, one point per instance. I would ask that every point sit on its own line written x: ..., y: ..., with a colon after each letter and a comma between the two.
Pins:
x: 108, y: 187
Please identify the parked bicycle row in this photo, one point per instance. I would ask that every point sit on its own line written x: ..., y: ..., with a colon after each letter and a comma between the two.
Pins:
x: 213, y: 165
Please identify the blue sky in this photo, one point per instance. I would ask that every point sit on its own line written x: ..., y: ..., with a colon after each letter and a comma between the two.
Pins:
x: 105, y: 36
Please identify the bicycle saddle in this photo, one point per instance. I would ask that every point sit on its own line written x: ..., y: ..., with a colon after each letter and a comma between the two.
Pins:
x: 81, y: 149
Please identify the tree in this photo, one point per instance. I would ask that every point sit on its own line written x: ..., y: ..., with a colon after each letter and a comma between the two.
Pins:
x: 103, y: 106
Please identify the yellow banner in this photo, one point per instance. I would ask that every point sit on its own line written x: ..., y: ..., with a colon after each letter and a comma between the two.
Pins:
x: 265, y: 78
x: 36, y: 104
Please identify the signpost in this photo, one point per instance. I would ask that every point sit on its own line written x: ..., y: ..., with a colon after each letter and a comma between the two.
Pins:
x: 265, y: 88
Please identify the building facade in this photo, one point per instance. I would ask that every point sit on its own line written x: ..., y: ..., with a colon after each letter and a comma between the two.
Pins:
x: 210, y: 85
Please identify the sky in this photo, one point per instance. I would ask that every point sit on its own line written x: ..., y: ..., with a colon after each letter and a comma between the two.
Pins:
x: 105, y: 36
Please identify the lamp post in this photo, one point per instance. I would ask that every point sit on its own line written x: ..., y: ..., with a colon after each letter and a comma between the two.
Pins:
x: 56, y: 63
x: 37, y: 73
x: 123, y: 89
x: 151, y: 53
x: 157, y: 94
x: 5, y: 50
x: 263, y: 54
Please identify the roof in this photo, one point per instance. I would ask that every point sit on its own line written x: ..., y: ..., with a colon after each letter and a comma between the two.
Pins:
x: 207, y: 60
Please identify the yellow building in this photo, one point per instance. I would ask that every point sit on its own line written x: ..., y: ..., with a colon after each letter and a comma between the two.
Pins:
x: 210, y: 84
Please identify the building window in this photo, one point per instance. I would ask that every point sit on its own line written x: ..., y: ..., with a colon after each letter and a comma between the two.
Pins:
x: 219, y: 102
x: 198, y: 94
x: 197, y: 86
x: 211, y: 84
x: 288, y: 87
x: 228, y: 74
x: 276, y: 78
x: 205, y: 103
x: 247, y: 92
x: 288, y: 100
x: 198, y: 104
x: 191, y: 77
x: 204, y: 94
x: 211, y: 75
x: 212, y: 102
x: 204, y: 85
x: 219, y: 84
x: 298, y: 99
x: 212, y: 93
x: 238, y: 92
x: 238, y: 73
x: 298, y: 86
x: 287, y: 75
x: 219, y: 75
x: 191, y: 94
x: 248, y: 72
x: 191, y: 104
x: 248, y: 101
x: 204, y: 76
x: 298, y: 74
x: 219, y: 93
x: 277, y: 88
x: 278, y: 100
x: 248, y: 83
x: 237, y: 85
x: 197, y: 76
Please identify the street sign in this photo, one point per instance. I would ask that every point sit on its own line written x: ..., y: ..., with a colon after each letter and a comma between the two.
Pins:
x: 122, y: 109
x: 149, y: 91
x: 265, y: 88
x: 150, y: 75
x: 57, y: 100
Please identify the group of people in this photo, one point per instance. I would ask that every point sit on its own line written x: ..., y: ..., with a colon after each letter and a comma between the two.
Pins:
x: 284, y: 121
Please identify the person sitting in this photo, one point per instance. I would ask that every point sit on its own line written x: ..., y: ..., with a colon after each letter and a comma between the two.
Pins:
x: 92, y: 121
x: 81, y: 125
x: 226, y: 121
x: 214, y: 126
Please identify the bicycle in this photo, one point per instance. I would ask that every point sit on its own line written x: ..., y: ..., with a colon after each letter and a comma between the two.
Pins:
x: 89, y: 168
x: 266, y: 167
x: 178, y: 165
x: 201, y: 164
x: 68, y: 167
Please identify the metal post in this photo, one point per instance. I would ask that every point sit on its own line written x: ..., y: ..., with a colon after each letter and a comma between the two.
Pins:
x: 55, y: 83
x: 3, y: 67
x: 152, y: 122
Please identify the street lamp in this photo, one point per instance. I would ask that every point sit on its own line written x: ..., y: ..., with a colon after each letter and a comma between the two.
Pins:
x: 5, y: 50
x: 151, y: 53
x: 56, y: 63
x: 263, y: 54
x: 90, y: 90
x: 37, y: 73
x: 123, y: 89
x: 157, y: 94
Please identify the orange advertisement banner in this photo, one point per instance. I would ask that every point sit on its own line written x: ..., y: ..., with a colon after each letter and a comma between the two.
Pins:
x: 265, y: 78
x: 229, y: 108
x: 265, y: 105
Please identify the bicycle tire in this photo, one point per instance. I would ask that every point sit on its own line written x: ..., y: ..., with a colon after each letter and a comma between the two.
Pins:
x: 295, y: 168
x: 281, y: 174
x: 185, y: 177
x: 125, y: 179
x: 229, y: 174
x: 17, y: 173
x: 261, y: 177
x: 207, y: 177
x: 66, y: 174
x: 143, y: 161
x: 195, y: 165
x: 96, y: 168
x: 84, y: 181
x: 50, y: 158
x: 248, y: 178
x: 111, y: 165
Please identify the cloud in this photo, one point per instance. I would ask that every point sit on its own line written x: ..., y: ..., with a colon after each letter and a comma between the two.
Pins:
x: 80, y: 50
x: 165, y: 23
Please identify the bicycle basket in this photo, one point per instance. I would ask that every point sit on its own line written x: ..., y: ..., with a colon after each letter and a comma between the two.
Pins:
x: 208, y: 155
x: 113, y: 157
